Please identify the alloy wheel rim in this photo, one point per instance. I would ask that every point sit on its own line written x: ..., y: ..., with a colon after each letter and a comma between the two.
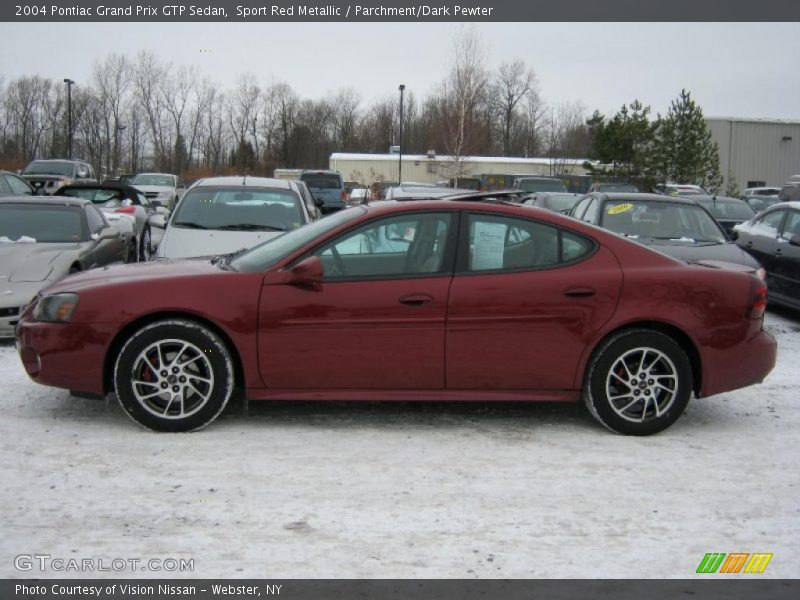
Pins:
x: 642, y: 385
x: 172, y: 379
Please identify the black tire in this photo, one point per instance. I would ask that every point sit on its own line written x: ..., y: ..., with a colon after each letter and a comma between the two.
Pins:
x: 663, y: 376
x: 132, y: 253
x: 145, y: 245
x: 199, y: 378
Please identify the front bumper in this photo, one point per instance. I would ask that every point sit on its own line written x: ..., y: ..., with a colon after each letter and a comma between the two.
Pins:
x: 65, y: 355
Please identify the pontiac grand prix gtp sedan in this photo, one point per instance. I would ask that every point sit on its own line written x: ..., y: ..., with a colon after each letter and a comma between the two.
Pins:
x: 465, y: 298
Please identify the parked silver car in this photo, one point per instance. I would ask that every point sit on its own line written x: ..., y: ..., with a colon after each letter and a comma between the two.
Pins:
x: 164, y: 187
x: 43, y: 239
x: 224, y: 214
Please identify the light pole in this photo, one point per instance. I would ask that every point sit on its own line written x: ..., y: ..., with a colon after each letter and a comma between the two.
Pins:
x: 400, y: 163
x: 117, y: 170
x: 69, y: 83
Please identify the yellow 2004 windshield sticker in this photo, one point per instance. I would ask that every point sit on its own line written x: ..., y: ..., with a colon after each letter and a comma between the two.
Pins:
x: 620, y: 208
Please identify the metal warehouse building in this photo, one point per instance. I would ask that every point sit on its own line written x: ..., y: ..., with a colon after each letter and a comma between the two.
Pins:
x: 430, y: 168
x: 756, y: 152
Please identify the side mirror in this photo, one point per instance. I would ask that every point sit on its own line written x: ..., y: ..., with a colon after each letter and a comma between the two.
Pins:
x: 794, y: 240
x: 308, y: 271
x: 108, y: 233
x: 319, y: 202
x: 733, y: 234
x: 158, y: 220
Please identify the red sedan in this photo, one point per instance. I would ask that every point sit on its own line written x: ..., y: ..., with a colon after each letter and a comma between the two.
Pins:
x: 464, y: 299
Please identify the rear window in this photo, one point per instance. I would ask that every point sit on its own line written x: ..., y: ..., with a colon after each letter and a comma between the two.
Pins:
x: 239, y: 208
x: 322, y: 181
x: 729, y: 210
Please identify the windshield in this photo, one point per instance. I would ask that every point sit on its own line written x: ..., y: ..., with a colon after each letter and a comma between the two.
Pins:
x: 38, y: 167
x: 265, y: 255
x: 728, y: 209
x: 322, y: 181
x: 44, y: 224
x: 239, y: 208
x: 759, y: 203
x: 95, y: 195
x: 541, y: 185
x: 560, y: 202
x: 154, y: 179
x: 661, y: 221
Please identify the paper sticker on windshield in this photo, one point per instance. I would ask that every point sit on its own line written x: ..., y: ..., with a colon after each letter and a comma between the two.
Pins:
x: 620, y: 208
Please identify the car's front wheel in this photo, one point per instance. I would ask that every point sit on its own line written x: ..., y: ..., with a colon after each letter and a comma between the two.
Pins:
x: 638, y: 382
x: 174, y: 375
x: 146, y: 245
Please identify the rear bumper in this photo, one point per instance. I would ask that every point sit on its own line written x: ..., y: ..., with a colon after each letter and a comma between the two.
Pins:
x: 740, y: 365
x: 69, y: 356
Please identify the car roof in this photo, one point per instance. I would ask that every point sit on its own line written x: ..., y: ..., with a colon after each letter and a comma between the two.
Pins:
x: 45, y: 200
x: 644, y: 197
x: 154, y: 173
x: 245, y: 181
x: 790, y: 204
x: 712, y: 198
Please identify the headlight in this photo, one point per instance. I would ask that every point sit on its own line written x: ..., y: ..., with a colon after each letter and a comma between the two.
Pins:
x: 57, y: 308
x: 761, y: 274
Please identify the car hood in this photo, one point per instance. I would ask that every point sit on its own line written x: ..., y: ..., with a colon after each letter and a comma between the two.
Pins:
x: 159, y: 270
x: 187, y: 243
x: 727, y: 252
x: 28, y: 262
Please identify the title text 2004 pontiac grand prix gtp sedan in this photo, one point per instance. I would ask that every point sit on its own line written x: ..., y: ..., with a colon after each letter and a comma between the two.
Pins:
x: 458, y: 299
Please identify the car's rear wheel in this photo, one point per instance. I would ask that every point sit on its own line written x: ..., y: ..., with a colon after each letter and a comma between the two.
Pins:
x: 174, y: 375
x: 145, y: 246
x: 638, y: 382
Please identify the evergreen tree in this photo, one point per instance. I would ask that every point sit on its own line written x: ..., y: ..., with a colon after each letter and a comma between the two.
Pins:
x: 684, y: 151
x: 624, y: 142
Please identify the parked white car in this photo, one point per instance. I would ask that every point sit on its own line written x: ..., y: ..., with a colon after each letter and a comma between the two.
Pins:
x: 219, y: 215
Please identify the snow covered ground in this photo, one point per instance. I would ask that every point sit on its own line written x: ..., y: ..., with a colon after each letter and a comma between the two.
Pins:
x: 404, y: 490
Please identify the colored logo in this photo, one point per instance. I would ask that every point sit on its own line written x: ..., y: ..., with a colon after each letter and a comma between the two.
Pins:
x: 735, y: 562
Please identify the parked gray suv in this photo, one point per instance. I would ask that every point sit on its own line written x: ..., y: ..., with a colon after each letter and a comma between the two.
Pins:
x: 50, y: 175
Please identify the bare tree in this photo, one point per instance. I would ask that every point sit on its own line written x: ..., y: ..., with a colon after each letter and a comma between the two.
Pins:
x: 513, y: 81
x: 567, y: 135
x: 345, y: 118
x: 111, y: 80
x: 462, y: 96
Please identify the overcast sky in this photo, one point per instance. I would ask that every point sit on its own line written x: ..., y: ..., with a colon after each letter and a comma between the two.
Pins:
x: 741, y: 70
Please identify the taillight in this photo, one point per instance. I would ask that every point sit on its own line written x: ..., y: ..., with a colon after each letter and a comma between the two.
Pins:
x: 758, y: 299
x: 128, y: 210
x: 344, y: 195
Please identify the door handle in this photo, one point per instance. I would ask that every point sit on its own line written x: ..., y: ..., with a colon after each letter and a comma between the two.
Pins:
x: 416, y: 299
x: 579, y: 292
x: 777, y: 252
x: 749, y: 245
